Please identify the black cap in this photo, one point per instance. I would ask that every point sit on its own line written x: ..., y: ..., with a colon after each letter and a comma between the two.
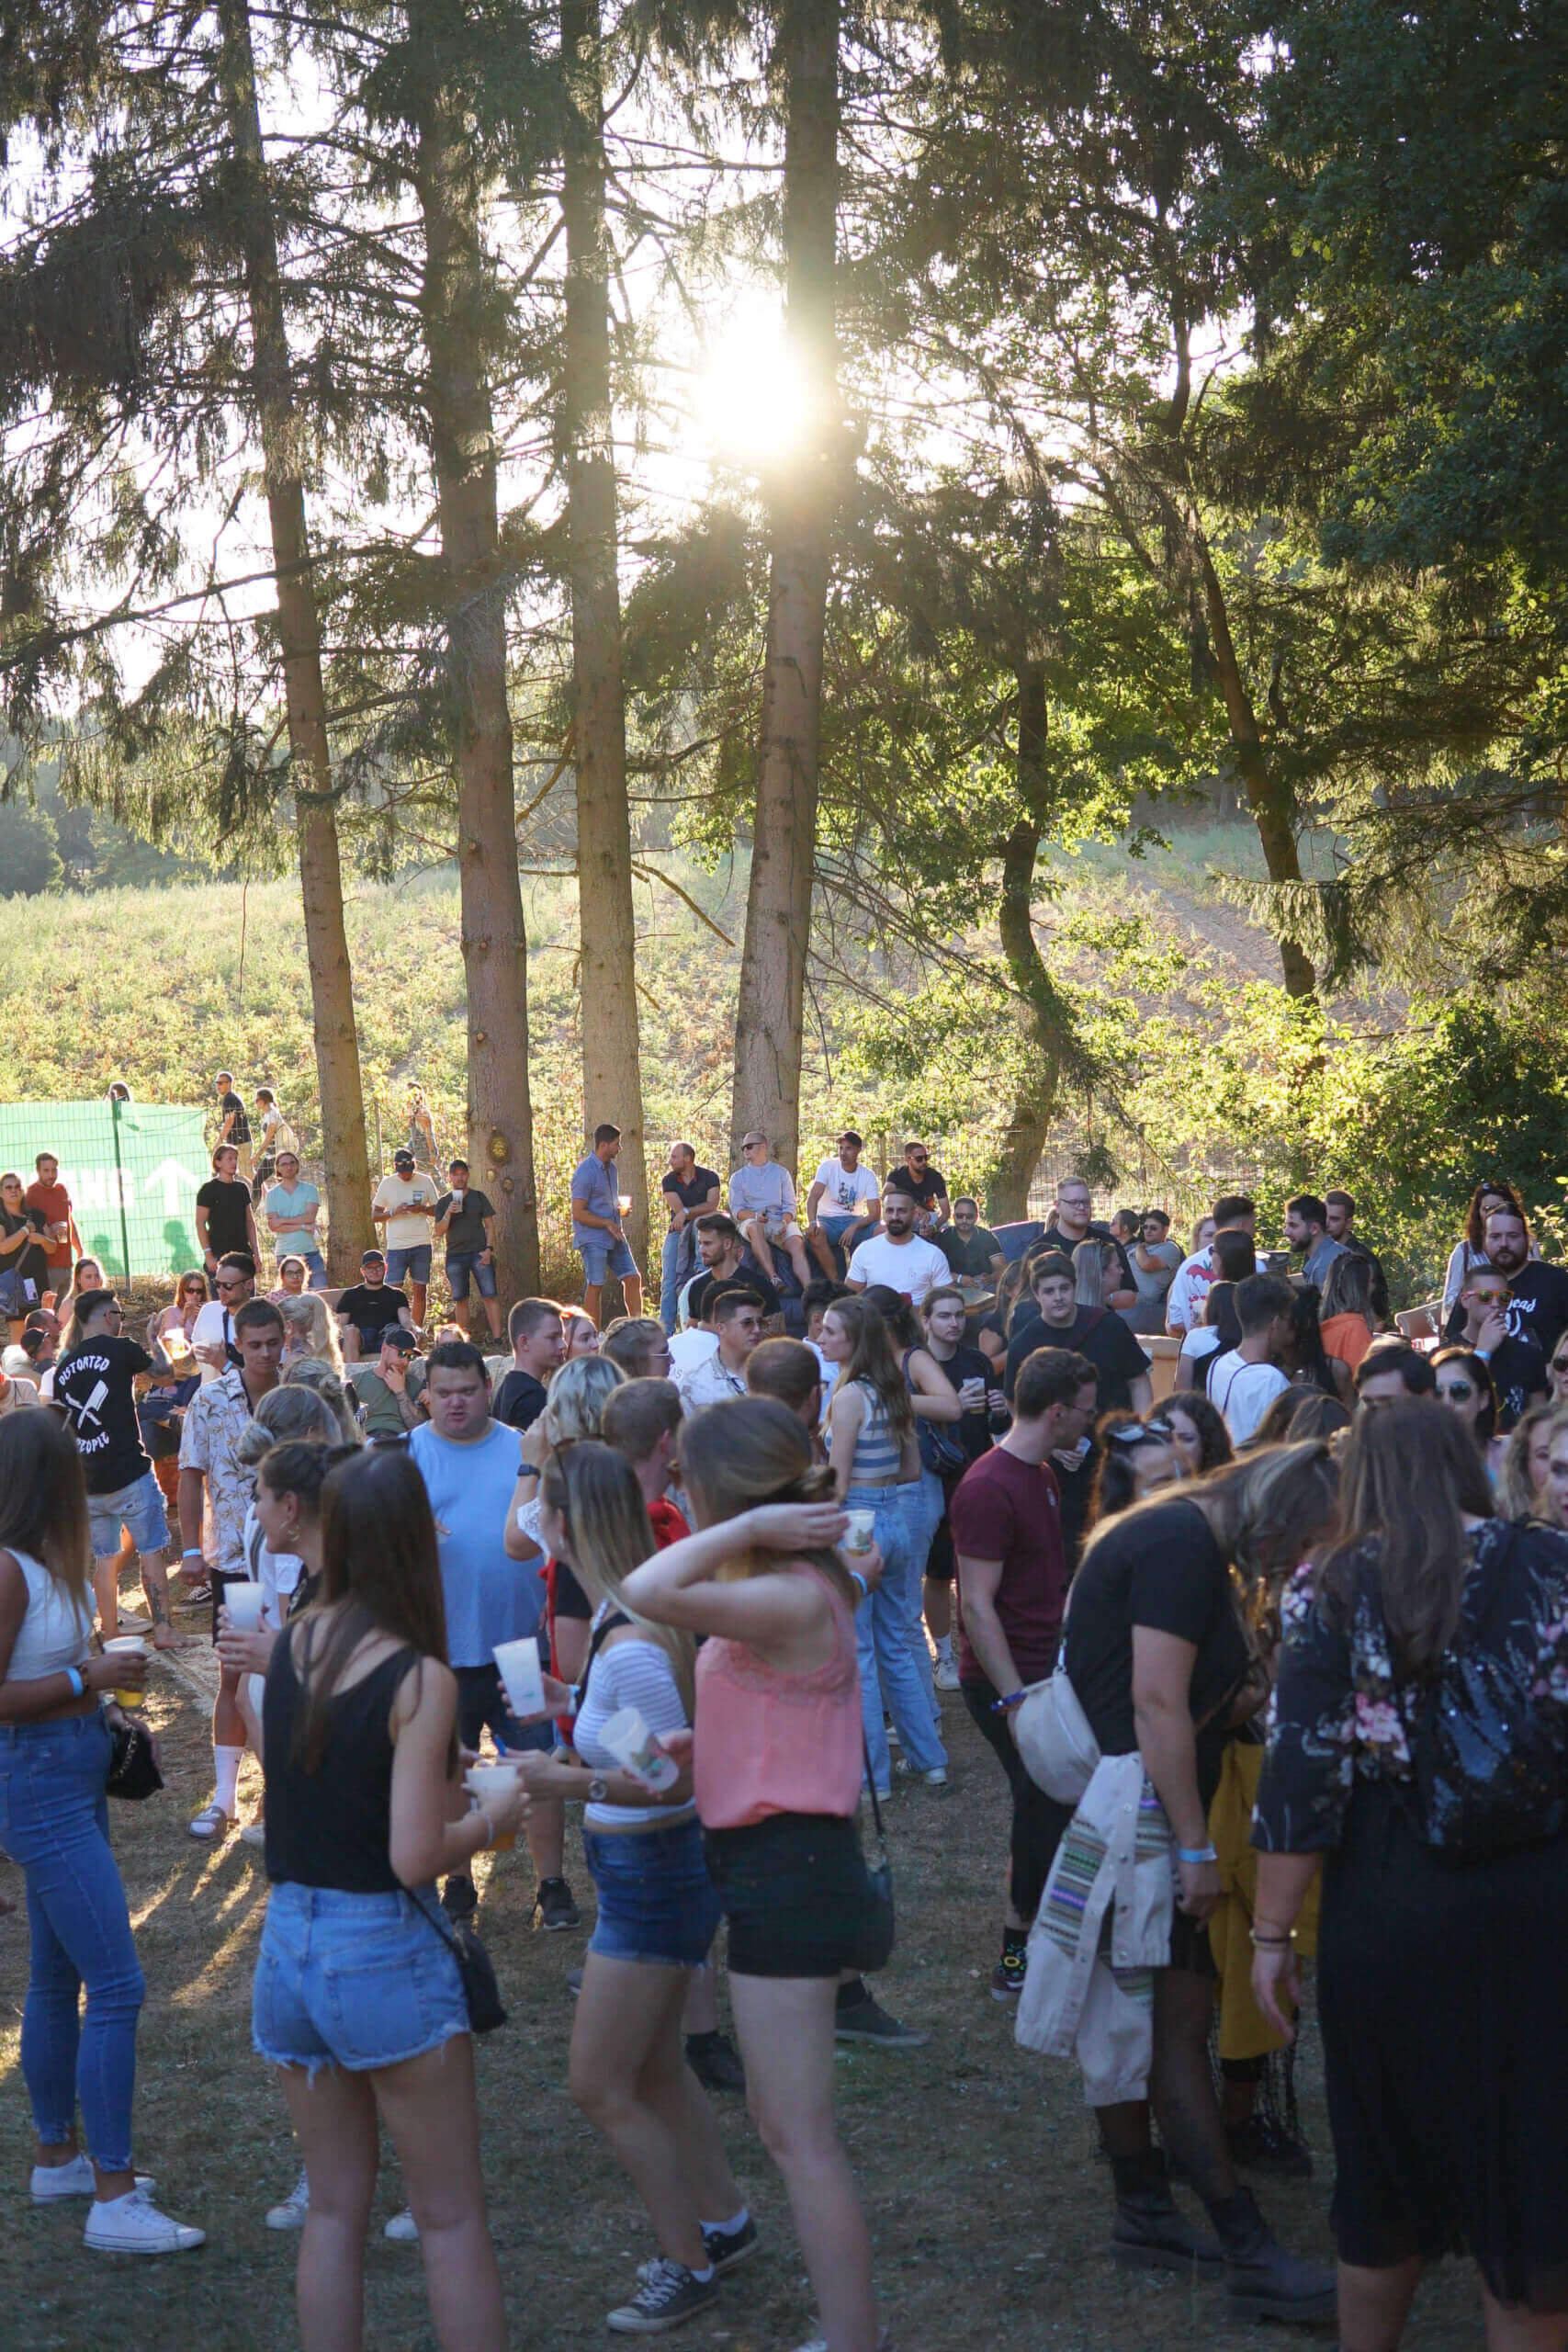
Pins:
x: 399, y: 1336
x: 402, y: 1156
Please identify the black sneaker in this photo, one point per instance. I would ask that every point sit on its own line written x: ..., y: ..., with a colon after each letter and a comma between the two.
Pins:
x: 867, y: 2021
x: 727, y: 2249
x: 1007, y: 1977
x: 716, y: 2061
x: 460, y: 1898
x: 667, y: 2294
x: 553, y: 1908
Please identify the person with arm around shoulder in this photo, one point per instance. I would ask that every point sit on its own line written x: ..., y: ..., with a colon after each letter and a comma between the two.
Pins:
x: 777, y: 1770
x: 358, y: 2000
x: 57, y: 1717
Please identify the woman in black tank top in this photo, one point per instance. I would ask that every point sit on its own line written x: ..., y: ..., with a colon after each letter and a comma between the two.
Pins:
x: 358, y: 2000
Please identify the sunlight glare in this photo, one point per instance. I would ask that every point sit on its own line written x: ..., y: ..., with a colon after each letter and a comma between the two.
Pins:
x: 748, y: 404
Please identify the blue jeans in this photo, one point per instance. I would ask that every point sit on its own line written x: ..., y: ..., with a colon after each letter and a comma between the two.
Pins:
x: 680, y: 1264
x: 463, y: 1266
x: 887, y: 1668
x: 54, y: 1825
x: 315, y: 1266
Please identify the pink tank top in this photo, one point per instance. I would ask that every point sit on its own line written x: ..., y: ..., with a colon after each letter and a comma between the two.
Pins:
x: 768, y: 1742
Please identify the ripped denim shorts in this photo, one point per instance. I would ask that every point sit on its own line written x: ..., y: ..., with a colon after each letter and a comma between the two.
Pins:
x: 353, y: 1980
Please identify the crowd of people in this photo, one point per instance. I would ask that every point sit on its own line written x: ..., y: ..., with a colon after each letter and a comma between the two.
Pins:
x: 708, y: 1575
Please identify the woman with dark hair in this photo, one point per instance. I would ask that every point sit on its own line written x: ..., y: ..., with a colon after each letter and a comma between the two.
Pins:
x: 1216, y: 1336
x: 1299, y: 1414
x: 968, y: 1376
x: 1347, y: 1321
x: 1467, y: 1252
x: 1198, y: 1431
x: 358, y: 2001
x: 1445, y: 1904
x: 57, y: 1724
x: 1134, y: 1458
x: 777, y: 1761
x: 1465, y: 1385
x: 1310, y: 1366
x: 1162, y: 1673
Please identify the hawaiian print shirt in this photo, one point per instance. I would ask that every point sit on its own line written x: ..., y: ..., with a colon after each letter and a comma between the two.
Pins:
x: 214, y: 1419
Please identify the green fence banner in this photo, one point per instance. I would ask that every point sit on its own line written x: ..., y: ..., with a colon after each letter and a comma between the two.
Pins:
x: 131, y: 1169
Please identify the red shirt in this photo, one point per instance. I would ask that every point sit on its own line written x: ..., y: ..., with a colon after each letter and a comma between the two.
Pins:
x: 669, y: 1527
x: 53, y: 1203
x: 1009, y: 1510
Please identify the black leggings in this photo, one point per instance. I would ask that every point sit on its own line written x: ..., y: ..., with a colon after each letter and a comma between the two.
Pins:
x: 1038, y: 1821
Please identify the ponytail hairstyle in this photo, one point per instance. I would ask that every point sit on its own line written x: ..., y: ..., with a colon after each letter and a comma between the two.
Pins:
x: 873, y: 1362
x: 300, y: 1467
x: 305, y: 1318
x: 752, y: 1450
x: 575, y: 1400
x: 285, y: 1415
x: 593, y: 1490
x: 330, y: 1386
x: 904, y: 1327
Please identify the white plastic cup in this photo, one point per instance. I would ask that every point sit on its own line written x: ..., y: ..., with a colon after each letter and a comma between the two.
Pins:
x: 637, y: 1751
x: 244, y: 1603
x: 861, y: 1531
x: 127, y: 1645
x: 485, y: 1781
x: 523, y: 1675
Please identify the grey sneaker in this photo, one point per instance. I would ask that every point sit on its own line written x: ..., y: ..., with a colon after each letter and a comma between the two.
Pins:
x: 867, y: 2021
x: 667, y: 2295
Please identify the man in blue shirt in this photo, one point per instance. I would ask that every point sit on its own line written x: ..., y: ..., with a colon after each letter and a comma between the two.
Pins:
x: 596, y: 1231
x: 469, y: 1465
x: 1306, y: 1230
x: 291, y: 1209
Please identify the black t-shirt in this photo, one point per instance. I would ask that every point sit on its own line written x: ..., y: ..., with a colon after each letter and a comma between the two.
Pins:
x: 972, y: 1430
x: 30, y: 1263
x: 227, y: 1206
x: 466, y: 1234
x: 972, y: 1257
x: 240, y: 1130
x: 519, y: 1400
x: 748, y: 1276
x: 371, y: 1311
x: 1053, y: 1239
x: 925, y: 1189
x: 94, y: 1383
x: 1163, y: 1570
x: 1518, y: 1369
x: 697, y: 1190
x: 1094, y: 1332
x: 1538, y: 1309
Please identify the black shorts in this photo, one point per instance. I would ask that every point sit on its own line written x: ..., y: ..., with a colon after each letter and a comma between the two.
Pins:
x: 796, y: 1893
x: 483, y: 1706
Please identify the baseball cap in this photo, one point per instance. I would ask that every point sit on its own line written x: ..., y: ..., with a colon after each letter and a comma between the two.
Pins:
x: 402, y: 1156
x: 755, y: 1136
x: 395, y: 1334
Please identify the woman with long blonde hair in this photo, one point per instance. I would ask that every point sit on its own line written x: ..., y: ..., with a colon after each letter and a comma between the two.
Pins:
x: 777, y: 1777
x: 1522, y: 1475
x: 657, y: 1910
x: 309, y: 1331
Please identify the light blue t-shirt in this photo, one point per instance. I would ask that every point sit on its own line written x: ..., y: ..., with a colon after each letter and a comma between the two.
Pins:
x: 490, y: 1599
x: 593, y: 1184
x: 762, y: 1191
x: 281, y: 1204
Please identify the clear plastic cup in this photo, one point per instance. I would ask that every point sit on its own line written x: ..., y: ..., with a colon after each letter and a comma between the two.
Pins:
x: 127, y: 1645
x: 245, y: 1602
x: 484, y: 1782
x: 519, y: 1666
x: 637, y: 1751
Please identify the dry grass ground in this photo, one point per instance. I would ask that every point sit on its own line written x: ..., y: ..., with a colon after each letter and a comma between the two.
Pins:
x: 989, y: 2209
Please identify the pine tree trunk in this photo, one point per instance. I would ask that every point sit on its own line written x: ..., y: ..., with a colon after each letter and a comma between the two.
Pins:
x: 1041, y: 1013
x: 1268, y: 800
x: 612, y: 1070
x: 453, y: 305
x: 343, y: 1149
x: 804, y: 497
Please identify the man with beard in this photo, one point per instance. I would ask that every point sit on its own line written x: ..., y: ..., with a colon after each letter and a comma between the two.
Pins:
x: 1538, y: 1309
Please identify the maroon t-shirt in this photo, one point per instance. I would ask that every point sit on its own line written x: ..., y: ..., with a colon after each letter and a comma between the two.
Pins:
x: 1010, y: 1510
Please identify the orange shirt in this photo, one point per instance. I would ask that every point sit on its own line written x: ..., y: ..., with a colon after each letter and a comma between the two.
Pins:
x: 53, y: 1203
x: 1347, y: 1337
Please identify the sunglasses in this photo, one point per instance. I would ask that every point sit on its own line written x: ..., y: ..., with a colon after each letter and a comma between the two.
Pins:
x: 1459, y: 1390
x: 1560, y: 1363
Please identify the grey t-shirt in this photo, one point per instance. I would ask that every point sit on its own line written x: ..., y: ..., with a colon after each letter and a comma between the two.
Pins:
x: 1148, y: 1315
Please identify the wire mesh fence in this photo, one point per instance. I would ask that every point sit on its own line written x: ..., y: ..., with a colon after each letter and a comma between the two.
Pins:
x: 131, y: 1169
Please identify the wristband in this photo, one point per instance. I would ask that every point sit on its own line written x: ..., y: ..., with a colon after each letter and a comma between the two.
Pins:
x: 1196, y: 1854
x: 191, y: 1552
x: 1013, y: 1699
x: 864, y: 1588
x: 74, y: 1677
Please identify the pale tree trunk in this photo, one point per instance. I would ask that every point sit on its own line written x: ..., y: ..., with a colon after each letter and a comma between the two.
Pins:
x: 1041, y: 1013
x: 1267, y: 798
x: 612, y: 1070
x: 803, y: 501
x: 452, y: 303
x: 343, y: 1149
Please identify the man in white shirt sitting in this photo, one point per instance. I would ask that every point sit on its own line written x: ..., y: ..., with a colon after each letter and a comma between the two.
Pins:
x: 898, y: 1256
x: 841, y: 1207
x: 737, y: 1318
x: 1244, y: 1384
x: 1184, y: 1301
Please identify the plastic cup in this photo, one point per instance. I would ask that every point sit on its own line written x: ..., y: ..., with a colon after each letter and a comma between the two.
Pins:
x: 637, y: 1751
x: 244, y: 1602
x: 624, y: 1203
x: 861, y: 1531
x: 127, y: 1645
x: 524, y: 1676
x: 484, y: 1782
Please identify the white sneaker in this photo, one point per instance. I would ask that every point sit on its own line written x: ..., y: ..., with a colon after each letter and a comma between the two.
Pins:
x: 402, y: 2229
x: 52, y: 2184
x: 935, y: 1779
x: 132, y: 2224
x: 290, y: 2214
x: 944, y: 1674
x: 211, y: 1823
x: 254, y: 1834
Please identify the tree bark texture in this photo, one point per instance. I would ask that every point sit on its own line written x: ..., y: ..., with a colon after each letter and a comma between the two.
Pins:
x: 1041, y: 1014
x: 1269, y: 801
x: 803, y: 502
x: 454, y: 301
x: 343, y: 1149
x: 612, y: 1069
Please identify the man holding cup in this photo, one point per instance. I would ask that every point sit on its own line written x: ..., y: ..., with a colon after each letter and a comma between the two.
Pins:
x: 465, y: 1220
x: 597, y: 1233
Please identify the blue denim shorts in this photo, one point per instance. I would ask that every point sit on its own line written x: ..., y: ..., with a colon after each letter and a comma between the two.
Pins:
x: 600, y: 1256
x: 463, y: 1266
x: 138, y: 1508
x: 657, y: 1902
x: 353, y: 1980
x: 409, y: 1265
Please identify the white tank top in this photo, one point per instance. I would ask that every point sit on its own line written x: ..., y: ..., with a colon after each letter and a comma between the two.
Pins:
x: 53, y: 1633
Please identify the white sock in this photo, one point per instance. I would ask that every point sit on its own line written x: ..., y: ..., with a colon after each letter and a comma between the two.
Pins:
x: 228, y: 1761
x: 730, y: 2229
x: 703, y: 2276
x: 945, y: 1649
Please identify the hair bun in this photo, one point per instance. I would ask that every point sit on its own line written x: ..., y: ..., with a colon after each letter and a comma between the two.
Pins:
x: 817, y: 1484
x: 252, y: 1445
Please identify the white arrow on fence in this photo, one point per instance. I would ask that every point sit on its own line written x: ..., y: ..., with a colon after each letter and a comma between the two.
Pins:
x: 176, y: 1180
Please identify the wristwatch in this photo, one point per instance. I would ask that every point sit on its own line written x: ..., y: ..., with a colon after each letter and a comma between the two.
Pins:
x: 598, y: 1790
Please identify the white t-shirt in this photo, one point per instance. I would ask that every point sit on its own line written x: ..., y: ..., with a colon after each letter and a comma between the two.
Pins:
x: 395, y: 1192
x: 1242, y: 1392
x: 690, y: 1348
x: 843, y: 1188
x: 1189, y: 1289
x: 913, y: 1266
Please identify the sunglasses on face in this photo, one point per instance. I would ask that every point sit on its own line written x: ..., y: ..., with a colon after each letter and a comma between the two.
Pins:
x: 1459, y: 1390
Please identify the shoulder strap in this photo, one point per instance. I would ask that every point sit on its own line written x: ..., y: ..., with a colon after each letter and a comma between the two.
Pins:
x: 602, y: 1631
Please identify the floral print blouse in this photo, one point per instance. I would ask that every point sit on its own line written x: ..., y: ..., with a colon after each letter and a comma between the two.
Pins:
x: 1338, y: 1714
